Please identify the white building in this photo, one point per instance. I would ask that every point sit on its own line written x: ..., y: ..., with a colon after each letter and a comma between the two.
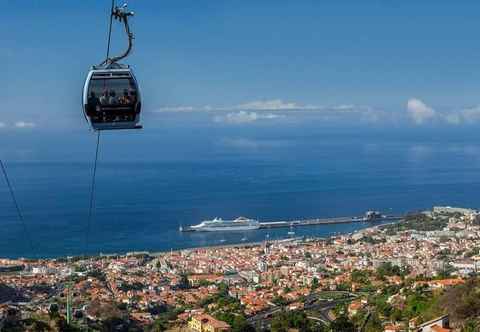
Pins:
x: 450, y: 209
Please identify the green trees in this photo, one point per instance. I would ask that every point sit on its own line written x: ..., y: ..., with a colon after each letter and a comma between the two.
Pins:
x: 223, y: 289
x: 279, y: 300
x: 228, y: 309
x: 279, y: 324
x: 100, y: 275
x: 343, y: 287
x: 342, y: 324
x: 285, y: 320
x: 134, y: 286
x: 53, y: 311
x: 360, y: 277
x: 240, y: 324
x: 388, y: 269
x: 164, y: 313
x: 158, y: 325
x: 462, y: 302
x: 237, y: 321
x: 473, y: 252
x: 419, y: 222
x: 471, y: 325
x: 374, y: 324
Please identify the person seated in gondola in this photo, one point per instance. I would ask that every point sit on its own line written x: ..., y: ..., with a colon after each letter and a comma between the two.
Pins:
x: 133, y: 96
x: 135, y: 103
x: 112, y: 100
x: 125, y: 99
x: 92, y: 104
x: 104, y: 97
x: 126, y: 103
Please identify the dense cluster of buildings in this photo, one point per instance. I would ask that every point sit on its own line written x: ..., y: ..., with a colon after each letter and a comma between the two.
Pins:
x: 257, y: 275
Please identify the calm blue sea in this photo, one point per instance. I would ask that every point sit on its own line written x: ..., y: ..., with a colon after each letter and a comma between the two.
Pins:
x: 143, y: 197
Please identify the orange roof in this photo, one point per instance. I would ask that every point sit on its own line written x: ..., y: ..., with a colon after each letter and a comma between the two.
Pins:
x: 355, y: 305
x: 183, y: 316
x: 437, y: 328
x: 205, y: 277
x: 207, y: 319
x: 448, y: 282
x: 391, y: 328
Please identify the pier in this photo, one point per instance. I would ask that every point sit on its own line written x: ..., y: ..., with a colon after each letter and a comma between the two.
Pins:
x: 307, y: 222
x: 370, y: 216
x: 323, y: 221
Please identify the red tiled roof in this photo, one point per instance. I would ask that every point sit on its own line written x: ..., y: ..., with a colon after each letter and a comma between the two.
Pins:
x: 437, y: 328
x: 207, y: 319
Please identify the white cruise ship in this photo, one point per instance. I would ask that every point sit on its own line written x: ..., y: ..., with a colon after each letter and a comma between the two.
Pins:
x: 218, y: 224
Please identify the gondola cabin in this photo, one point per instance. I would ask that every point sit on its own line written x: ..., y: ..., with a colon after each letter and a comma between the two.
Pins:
x: 111, y: 98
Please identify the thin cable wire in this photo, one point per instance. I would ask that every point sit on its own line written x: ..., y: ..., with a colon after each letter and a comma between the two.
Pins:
x: 92, y: 195
x: 110, y: 31
x: 92, y: 186
x: 17, y: 207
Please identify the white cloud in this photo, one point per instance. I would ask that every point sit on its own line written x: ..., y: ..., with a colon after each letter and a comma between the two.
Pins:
x: 346, y: 107
x: 273, y: 105
x: 470, y: 115
x: 258, y: 105
x: 453, y: 118
x: 419, y: 112
x: 245, y: 117
x: 268, y: 105
x: 176, y: 109
x: 252, y: 144
x: 2, y: 125
x: 464, y: 116
x: 23, y: 124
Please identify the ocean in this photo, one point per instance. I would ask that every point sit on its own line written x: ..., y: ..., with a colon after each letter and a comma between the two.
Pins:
x: 144, y: 196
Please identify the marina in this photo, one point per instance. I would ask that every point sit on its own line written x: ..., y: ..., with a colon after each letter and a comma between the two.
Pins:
x: 218, y: 224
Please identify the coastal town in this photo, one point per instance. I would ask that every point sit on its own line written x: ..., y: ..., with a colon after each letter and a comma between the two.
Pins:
x: 395, y: 277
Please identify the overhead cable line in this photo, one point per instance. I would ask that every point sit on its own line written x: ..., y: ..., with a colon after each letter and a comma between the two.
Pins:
x: 17, y: 207
x: 110, y: 30
x: 92, y: 195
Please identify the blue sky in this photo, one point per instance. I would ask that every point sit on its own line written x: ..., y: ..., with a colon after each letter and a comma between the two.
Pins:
x: 244, y: 62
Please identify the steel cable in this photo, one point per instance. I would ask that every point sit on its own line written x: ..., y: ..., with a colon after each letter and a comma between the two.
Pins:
x: 110, y: 31
x: 92, y: 195
x: 17, y: 207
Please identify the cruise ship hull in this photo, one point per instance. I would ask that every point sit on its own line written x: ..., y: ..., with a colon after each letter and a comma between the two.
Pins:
x: 224, y: 229
x: 219, y: 225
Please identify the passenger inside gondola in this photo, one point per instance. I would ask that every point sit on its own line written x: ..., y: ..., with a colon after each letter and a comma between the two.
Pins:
x: 125, y: 99
x: 112, y: 100
x: 104, y: 97
x: 117, y: 102
x: 133, y: 96
x: 93, y: 103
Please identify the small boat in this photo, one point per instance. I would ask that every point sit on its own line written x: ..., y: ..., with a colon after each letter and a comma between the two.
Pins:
x: 291, y: 231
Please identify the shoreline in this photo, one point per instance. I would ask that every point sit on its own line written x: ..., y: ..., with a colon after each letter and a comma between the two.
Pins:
x: 205, y: 247
x: 255, y: 243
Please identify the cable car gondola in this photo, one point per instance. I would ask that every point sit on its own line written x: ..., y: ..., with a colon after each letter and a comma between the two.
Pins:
x: 111, y: 95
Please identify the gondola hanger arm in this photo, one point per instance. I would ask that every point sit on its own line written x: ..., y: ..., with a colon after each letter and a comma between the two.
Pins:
x: 121, y: 14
